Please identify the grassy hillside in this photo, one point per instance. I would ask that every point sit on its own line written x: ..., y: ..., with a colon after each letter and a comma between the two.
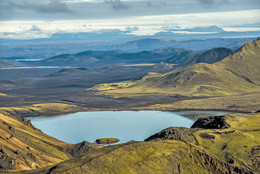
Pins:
x: 234, y: 75
x: 245, y: 62
x: 146, y: 157
x: 24, y: 147
x: 238, y: 144
x: 38, y: 109
x: 236, y: 141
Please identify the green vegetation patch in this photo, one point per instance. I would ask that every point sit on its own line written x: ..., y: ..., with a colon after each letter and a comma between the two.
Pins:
x: 38, y: 109
x: 112, y: 86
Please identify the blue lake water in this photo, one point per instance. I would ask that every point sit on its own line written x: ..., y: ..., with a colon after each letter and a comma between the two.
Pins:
x: 125, y: 125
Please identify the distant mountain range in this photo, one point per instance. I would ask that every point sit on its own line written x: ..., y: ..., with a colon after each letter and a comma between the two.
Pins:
x: 42, y: 49
x: 103, y: 58
x: 173, y: 55
x: 238, y: 73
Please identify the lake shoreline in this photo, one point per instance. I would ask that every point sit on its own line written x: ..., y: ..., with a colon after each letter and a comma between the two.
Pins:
x: 125, y: 125
x: 113, y: 109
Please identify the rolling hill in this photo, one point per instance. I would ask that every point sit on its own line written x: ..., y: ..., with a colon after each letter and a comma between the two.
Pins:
x: 236, y: 74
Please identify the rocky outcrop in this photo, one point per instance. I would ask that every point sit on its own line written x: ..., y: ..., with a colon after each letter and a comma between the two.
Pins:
x: 215, y: 122
x: 175, y: 133
x: 80, y: 148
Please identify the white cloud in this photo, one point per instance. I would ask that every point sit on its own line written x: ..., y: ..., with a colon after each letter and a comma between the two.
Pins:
x: 142, y: 25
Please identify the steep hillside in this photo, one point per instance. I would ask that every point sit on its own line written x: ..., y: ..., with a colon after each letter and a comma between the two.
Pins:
x: 236, y: 74
x: 23, y: 147
x: 211, y: 56
x: 245, y: 62
x: 10, y: 63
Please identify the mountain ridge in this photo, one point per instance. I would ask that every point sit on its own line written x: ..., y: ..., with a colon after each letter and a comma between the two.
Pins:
x: 236, y: 74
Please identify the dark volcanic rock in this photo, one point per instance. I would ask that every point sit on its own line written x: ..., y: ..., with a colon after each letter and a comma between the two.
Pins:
x: 80, y: 148
x: 215, y: 122
x: 175, y: 133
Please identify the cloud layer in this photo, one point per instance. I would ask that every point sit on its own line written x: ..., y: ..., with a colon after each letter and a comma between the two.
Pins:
x: 109, y: 9
x: 44, y: 17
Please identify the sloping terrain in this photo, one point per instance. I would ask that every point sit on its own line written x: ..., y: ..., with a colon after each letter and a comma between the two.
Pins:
x: 23, y: 147
x: 236, y: 74
x: 210, y: 57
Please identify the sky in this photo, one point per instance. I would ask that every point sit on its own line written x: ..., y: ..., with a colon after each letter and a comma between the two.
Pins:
x: 23, y: 19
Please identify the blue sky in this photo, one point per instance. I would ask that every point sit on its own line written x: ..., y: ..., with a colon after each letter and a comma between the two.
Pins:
x: 37, y: 19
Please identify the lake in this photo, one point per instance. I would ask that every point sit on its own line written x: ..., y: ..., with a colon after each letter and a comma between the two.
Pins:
x: 125, y: 125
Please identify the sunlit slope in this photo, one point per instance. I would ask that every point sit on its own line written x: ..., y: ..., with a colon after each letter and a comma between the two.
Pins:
x: 236, y: 74
x: 38, y: 109
x: 24, y: 147
x: 245, y: 62
x: 147, y: 157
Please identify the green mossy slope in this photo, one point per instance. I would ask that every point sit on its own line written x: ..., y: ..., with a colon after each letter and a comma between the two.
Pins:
x: 236, y: 141
x: 147, y: 157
